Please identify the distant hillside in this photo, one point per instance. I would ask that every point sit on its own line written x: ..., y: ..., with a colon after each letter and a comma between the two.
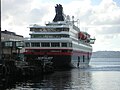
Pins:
x: 106, y: 54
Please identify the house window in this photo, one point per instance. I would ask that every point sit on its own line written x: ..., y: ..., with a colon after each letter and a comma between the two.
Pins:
x: 19, y: 44
x: 8, y: 44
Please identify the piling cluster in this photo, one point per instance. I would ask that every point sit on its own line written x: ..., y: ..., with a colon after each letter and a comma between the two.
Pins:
x: 24, y: 69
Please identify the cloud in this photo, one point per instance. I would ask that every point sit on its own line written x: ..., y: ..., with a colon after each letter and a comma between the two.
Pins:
x: 17, y: 15
x: 36, y: 15
x: 103, y: 30
x: 106, y: 13
x: 101, y: 20
x: 15, y: 10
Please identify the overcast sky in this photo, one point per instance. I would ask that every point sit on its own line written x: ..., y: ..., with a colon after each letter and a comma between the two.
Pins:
x: 100, y: 18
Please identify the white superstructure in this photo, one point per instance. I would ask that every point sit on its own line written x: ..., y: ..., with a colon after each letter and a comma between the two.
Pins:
x: 59, y: 38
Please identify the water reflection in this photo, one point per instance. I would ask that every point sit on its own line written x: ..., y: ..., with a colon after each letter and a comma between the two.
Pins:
x: 96, y: 77
x: 60, y: 80
x: 81, y: 79
x: 7, y: 83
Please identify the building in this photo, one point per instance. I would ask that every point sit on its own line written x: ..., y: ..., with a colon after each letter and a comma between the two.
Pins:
x: 11, y: 44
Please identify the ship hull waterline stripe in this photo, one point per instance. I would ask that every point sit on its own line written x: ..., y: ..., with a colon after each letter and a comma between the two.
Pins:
x: 74, y: 53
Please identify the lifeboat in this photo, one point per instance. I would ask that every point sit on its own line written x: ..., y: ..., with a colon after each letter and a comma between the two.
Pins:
x: 82, y: 36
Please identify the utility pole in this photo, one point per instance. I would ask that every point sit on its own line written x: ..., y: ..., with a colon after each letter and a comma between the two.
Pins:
x: 0, y: 45
x: 0, y: 38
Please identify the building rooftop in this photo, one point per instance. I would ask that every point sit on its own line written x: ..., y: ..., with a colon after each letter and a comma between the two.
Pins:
x: 10, y: 33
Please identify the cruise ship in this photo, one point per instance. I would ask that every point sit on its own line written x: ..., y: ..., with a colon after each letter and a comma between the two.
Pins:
x: 60, y: 42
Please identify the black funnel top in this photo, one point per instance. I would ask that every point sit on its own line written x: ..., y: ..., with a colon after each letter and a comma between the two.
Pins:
x: 59, y: 13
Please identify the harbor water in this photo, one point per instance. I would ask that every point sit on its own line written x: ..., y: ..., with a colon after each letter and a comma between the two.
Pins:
x: 102, y: 74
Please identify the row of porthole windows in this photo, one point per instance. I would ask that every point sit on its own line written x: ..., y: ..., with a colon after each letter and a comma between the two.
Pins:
x: 47, y: 44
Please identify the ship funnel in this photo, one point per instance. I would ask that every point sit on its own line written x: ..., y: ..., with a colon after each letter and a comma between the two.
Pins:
x: 59, y: 13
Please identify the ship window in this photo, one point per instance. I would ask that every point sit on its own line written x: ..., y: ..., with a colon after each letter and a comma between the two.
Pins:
x: 66, y: 29
x: 70, y: 44
x: 45, y: 44
x: 64, y: 44
x: 55, y: 44
x: 35, y: 36
x: 27, y: 44
x: 83, y: 58
x: 35, y: 44
x: 32, y: 36
x: 64, y: 36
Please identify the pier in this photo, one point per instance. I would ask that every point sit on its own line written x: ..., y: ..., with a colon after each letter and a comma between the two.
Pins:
x: 19, y: 69
x: 12, y: 63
